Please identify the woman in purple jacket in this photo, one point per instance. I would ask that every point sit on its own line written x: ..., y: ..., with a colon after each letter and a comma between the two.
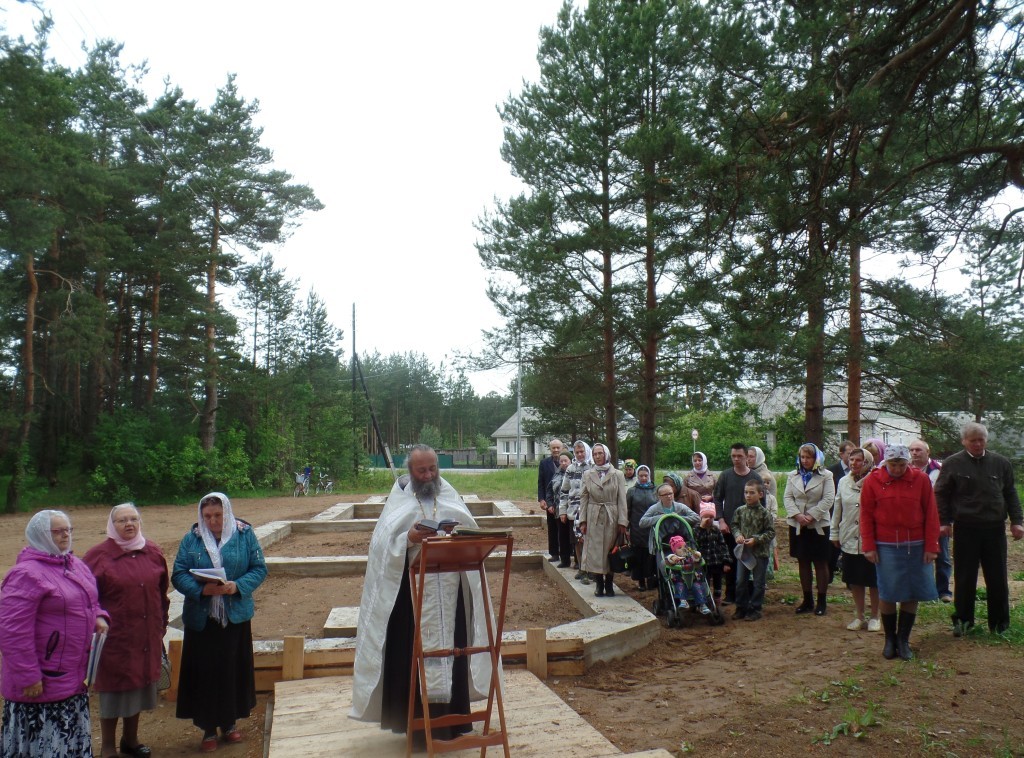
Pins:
x: 49, y: 609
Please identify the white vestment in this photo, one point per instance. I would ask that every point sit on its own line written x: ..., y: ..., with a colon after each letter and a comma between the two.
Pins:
x: 384, y: 567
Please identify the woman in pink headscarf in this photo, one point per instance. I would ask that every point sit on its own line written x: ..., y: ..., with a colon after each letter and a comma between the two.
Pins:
x: 131, y: 575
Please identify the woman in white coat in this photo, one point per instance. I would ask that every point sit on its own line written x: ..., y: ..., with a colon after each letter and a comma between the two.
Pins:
x: 808, y: 500
x: 603, y: 516
x: 858, y: 571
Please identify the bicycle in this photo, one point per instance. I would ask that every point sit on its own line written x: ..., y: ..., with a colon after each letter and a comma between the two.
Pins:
x: 301, y: 484
x: 325, y: 485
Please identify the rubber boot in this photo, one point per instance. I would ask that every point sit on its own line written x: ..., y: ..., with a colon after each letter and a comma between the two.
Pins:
x: 889, y: 627
x: 599, y: 581
x: 609, y: 585
x: 807, y: 605
x: 822, y: 607
x: 904, y: 625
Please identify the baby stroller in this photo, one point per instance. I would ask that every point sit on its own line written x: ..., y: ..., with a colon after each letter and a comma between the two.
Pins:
x: 667, y: 605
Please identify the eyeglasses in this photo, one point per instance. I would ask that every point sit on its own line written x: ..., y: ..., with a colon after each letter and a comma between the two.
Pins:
x: 128, y: 520
x: 66, y: 530
x: 210, y: 501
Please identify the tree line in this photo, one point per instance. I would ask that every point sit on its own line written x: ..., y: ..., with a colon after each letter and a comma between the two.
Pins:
x: 708, y: 186
x: 151, y: 346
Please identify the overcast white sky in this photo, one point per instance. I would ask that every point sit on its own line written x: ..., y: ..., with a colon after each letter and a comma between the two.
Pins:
x: 386, y: 109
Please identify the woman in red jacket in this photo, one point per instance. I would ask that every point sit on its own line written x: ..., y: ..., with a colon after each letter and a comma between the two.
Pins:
x: 131, y: 574
x: 899, y: 529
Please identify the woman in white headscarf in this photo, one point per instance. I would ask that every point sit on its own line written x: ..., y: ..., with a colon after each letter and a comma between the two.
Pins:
x: 131, y: 574
x: 603, y: 516
x: 809, y: 496
x: 699, y: 478
x: 569, y: 499
x: 218, y: 567
x: 49, y: 610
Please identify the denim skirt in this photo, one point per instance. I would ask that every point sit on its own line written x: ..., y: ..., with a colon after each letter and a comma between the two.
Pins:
x: 903, y: 576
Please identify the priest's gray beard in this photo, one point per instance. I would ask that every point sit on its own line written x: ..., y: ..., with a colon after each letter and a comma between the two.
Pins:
x: 428, y: 489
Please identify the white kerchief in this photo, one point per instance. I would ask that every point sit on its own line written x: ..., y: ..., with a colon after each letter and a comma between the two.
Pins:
x: 213, y: 548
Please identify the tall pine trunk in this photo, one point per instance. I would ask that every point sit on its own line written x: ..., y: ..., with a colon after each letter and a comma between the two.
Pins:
x: 208, y: 415
x: 28, y: 374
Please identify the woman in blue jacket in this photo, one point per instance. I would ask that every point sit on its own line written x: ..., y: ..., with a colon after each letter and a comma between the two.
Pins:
x: 218, y: 567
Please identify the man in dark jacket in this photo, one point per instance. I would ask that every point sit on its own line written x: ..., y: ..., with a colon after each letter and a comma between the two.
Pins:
x: 546, y: 470
x: 975, y: 494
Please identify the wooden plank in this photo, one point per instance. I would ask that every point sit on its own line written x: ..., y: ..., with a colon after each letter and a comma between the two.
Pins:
x: 311, y: 719
x: 292, y: 665
x: 536, y: 652
x: 174, y: 653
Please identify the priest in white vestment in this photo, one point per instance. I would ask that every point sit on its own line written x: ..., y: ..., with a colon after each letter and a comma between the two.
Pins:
x: 453, y: 611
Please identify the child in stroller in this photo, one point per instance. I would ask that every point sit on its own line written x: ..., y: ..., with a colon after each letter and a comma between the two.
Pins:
x: 683, y: 566
x: 681, y: 577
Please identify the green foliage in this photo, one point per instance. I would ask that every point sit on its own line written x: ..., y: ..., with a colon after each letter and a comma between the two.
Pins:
x: 718, y: 429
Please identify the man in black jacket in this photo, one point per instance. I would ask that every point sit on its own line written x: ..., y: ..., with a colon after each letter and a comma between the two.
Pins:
x: 546, y: 470
x: 975, y: 494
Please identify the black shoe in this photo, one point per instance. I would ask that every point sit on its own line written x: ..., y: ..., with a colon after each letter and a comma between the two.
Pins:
x: 553, y: 558
x: 806, y: 606
x: 740, y: 613
x: 564, y: 565
x: 889, y: 626
x: 139, y: 751
x: 754, y: 616
x: 599, y: 581
x: 821, y: 608
x: 609, y: 586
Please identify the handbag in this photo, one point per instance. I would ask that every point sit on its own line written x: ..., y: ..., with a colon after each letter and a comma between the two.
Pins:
x: 164, y: 682
x: 621, y: 556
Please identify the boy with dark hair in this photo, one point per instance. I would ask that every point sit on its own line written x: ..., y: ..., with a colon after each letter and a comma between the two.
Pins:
x: 753, y: 528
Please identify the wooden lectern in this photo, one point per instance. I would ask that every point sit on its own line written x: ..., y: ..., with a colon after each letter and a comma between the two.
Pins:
x: 456, y: 554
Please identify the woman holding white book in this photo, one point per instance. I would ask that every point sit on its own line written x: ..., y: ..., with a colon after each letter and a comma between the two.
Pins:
x: 217, y: 685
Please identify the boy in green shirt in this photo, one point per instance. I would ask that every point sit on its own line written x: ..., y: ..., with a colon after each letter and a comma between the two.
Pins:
x: 754, y: 528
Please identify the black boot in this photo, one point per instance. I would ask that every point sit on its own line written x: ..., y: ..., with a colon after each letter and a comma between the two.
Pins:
x: 609, y: 585
x: 821, y: 608
x: 903, y: 627
x: 807, y: 605
x: 889, y: 627
x: 599, y: 581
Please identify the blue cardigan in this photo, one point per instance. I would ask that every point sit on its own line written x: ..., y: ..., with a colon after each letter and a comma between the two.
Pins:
x: 242, y: 561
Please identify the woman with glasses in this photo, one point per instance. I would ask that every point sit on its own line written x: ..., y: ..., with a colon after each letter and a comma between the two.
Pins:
x: 131, y: 575
x: 218, y: 567
x: 49, y: 611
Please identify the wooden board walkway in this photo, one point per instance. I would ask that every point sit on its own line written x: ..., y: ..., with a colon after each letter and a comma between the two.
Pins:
x: 310, y: 718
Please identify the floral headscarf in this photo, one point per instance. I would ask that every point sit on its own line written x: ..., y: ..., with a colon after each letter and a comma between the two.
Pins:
x: 878, y: 445
x: 819, y: 461
x: 676, y: 480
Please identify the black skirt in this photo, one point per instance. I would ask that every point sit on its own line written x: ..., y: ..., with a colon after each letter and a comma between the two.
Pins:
x: 809, y: 545
x: 398, y: 666
x: 217, y: 685
x: 858, y: 571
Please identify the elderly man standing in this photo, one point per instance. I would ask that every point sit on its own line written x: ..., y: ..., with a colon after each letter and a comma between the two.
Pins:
x: 453, y: 610
x: 975, y: 494
x: 920, y: 458
x: 545, y: 471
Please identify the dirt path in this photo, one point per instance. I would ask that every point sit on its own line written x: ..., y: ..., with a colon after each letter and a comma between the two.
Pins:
x: 776, y: 687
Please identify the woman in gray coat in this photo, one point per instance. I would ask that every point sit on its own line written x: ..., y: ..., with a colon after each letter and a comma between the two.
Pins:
x: 603, y: 516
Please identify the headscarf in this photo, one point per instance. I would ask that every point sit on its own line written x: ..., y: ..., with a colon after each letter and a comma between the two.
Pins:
x: 588, y: 457
x: 217, y: 610
x: 880, y: 447
x: 703, y: 464
x: 135, y: 543
x: 650, y: 478
x: 819, y: 461
x: 677, y: 482
x: 37, y: 532
x: 758, y: 457
x: 605, y: 467
x: 869, y: 463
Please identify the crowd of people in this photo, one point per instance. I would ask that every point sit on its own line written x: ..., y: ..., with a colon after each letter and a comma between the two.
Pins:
x: 891, y: 519
x: 881, y: 517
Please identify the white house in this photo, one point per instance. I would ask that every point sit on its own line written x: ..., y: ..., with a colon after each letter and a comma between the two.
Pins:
x: 878, y: 415
x: 524, y: 447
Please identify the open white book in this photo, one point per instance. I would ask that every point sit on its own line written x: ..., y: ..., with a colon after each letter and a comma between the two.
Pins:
x: 210, y: 575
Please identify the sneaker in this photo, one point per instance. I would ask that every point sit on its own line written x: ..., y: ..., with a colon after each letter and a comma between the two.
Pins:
x: 961, y: 628
x: 579, y: 575
x: 946, y: 598
x: 683, y: 604
x: 704, y: 610
x: 874, y: 625
x: 754, y: 616
x: 856, y: 625
x: 584, y: 579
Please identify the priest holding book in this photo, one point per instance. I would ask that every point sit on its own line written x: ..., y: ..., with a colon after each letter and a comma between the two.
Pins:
x: 453, y: 610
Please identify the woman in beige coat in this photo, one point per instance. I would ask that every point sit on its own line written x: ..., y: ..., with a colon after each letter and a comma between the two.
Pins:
x: 809, y: 497
x: 603, y: 515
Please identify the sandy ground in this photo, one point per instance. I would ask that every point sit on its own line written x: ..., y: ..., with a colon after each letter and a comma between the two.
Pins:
x: 782, y: 685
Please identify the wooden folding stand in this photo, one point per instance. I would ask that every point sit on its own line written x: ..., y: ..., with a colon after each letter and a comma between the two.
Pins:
x: 441, y: 555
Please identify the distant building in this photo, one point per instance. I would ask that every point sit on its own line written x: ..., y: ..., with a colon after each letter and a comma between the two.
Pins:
x: 879, y: 414
x: 525, y: 447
